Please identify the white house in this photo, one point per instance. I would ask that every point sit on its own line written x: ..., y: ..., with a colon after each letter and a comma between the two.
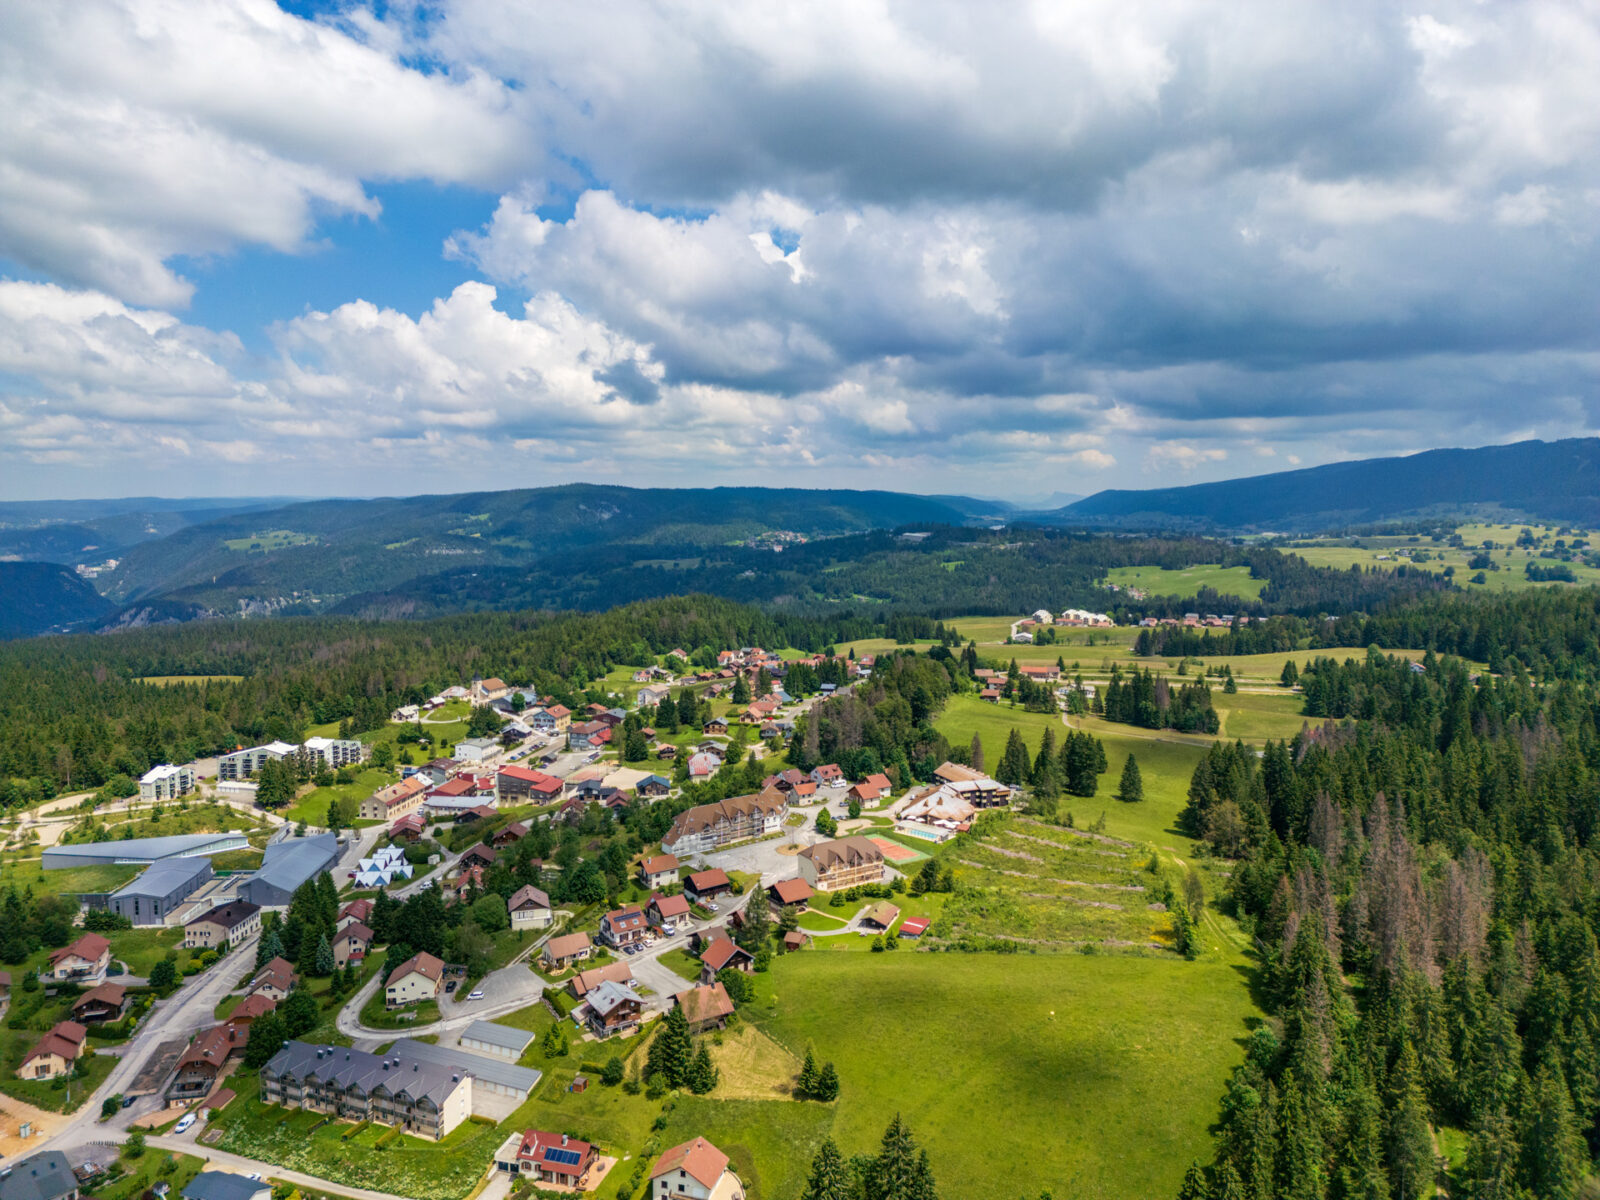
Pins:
x: 166, y: 782
x: 696, y: 1170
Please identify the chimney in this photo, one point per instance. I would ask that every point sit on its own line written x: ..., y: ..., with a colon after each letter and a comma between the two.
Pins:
x: 563, y: 1139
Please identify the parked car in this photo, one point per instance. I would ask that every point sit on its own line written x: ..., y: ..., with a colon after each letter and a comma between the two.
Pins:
x: 475, y: 994
x: 669, y: 930
x: 183, y: 1125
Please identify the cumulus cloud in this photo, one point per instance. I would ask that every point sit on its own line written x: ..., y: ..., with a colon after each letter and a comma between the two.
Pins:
x: 921, y: 240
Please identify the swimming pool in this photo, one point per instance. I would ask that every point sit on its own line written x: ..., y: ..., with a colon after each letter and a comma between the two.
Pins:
x: 926, y: 835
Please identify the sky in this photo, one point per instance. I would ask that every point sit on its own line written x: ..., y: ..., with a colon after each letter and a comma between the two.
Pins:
x: 1001, y: 249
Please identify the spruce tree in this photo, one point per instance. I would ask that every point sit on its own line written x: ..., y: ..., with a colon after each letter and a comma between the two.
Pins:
x: 1131, y: 788
x: 324, y: 964
x: 1194, y: 1186
x: 268, y: 948
x: 1014, y: 763
x: 806, y: 1085
x: 827, y: 1089
x: 975, y: 753
x: 1408, y: 1142
x: 829, y: 1179
x: 895, y: 1173
x: 671, y: 1053
x: 702, y: 1074
x: 1554, y: 1160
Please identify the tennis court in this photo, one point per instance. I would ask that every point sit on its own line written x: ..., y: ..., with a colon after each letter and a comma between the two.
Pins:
x: 895, y: 852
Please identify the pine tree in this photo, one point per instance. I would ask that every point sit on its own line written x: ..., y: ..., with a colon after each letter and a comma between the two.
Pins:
x: 1014, y: 764
x: 268, y: 948
x: 894, y: 1174
x: 829, y: 1179
x: 806, y: 1085
x: 671, y: 1052
x: 324, y: 964
x: 1554, y: 1160
x: 827, y: 1089
x: 975, y: 753
x: 667, y: 715
x: 1131, y: 788
x: 1194, y: 1184
x: 702, y: 1074
x: 922, y: 1185
x: 1229, y: 1185
x: 1408, y: 1142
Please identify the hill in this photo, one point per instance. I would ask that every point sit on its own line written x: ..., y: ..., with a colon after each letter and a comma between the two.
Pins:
x: 45, y: 597
x: 323, y: 551
x: 91, y: 531
x: 1557, y: 482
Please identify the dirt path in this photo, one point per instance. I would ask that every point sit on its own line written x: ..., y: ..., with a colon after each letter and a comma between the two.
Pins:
x: 16, y: 1113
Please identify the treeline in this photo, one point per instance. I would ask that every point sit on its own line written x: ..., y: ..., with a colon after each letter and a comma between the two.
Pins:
x: 1148, y: 700
x: 1423, y: 885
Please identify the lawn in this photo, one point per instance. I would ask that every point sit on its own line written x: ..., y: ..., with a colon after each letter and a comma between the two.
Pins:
x: 27, y: 873
x: 169, y: 680
x: 1258, y: 716
x: 142, y: 949
x: 816, y: 921
x: 771, y: 1143
x: 682, y: 962
x: 145, y: 1171
x: 1094, y: 1077
x: 1187, y: 581
x: 312, y: 808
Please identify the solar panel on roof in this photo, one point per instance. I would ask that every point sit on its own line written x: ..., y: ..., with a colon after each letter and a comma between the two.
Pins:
x: 568, y: 1158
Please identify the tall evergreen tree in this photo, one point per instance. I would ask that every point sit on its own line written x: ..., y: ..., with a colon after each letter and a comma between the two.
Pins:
x: 829, y: 1180
x: 975, y: 753
x: 671, y: 1051
x: 1131, y: 787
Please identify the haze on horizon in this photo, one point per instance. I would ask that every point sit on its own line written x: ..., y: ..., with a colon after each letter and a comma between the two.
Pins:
x: 334, y: 249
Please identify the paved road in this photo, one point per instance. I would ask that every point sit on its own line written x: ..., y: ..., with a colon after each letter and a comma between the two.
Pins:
x: 187, y: 1145
x: 188, y: 1009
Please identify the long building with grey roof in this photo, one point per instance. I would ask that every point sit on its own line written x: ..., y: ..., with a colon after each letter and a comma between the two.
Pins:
x: 493, y: 1075
x: 422, y: 1098
x: 285, y: 866
x: 157, y: 896
x: 142, y: 852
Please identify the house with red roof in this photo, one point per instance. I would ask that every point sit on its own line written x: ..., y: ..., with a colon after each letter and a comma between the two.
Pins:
x: 85, y: 961
x: 53, y: 1054
x: 697, y: 1170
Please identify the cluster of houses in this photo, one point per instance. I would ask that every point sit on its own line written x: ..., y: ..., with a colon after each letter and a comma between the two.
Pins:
x: 1074, y: 617
x: 953, y: 799
x: 1196, y: 620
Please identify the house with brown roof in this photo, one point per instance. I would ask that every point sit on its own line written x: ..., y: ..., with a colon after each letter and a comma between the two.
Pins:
x: 705, y: 1007
x: 721, y: 952
x: 584, y: 982
x: 554, y: 1158
x: 795, y: 939
x: 870, y: 790
x: 251, y: 1008
x: 696, y: 1170
x: 658, y: 871
x: 828, y: 775
x: 229, y: 923
x: 395, y: 801
x: 104, y: 1003
x: 530, y: 908
x: 53, y: 1054
x: 949, y: 772
x: 486, y: 691
x: 85, y: 961
x: 506, y: 835
x: 880, y: 916
x: 413, y: 981
x: 611, y: 1008
x: 480, y: 854
x: 842, y: 863
x: 561, y: 952
x: 623, y: 927
x: 357, y: 910
x: 204, y: 1059
x: 409, y: 828
x: 666, y: 910
x: 707, y: 885
x: 351, y: 944
x: 275, y: 980
x: 791, y: 893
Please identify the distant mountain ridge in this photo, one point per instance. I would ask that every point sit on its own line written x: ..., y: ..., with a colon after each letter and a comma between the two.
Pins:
x: 1558, y: 482
x: 41, y: 597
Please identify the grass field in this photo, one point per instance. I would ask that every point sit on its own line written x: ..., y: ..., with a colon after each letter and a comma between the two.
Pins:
x: 1156, y: 581
x: 270, y: 539
x: 169, y: 680
x: 999, y: 1089
x: 312, y: 808
x: 1512, y: 559
x: 27, y: 873
x: 1257, y: 716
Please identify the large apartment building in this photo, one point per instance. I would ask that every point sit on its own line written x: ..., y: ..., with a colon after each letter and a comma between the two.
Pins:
x: 396, y: 800
x: 423, y: 1099
x: 707, y: 826
x: 242, y: 764
x: 841, y: 863
x: 333, y: 753
x: 166, y: 782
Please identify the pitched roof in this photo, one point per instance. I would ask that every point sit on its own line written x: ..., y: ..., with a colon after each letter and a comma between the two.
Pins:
x: 421, y: 963
x: 89, y: 947
x: 882, y: 913
x: 525, y: 895
x: 220, y: 1185
x: 356, y: 930
x: 843, y: 852
x: 670, y: 906
x: 230, y: 915
x: 699, y: 1159
x: 720, y: 951
x: 279, y: 973
x: 360, y: 909
x: 659, y: 864
x: 702, y: 880
x: 46, y: 1176
x: 609, y: 995
x: 107, y: 993
x: 65, y: 1039
x: 708, y: 1003
x: 792, y: 891
x: 252, y: 1006
x: 215, y: 1044
x: 567, y: 945
x: 623, y: 919
x: 585, y: 982
x: 554, y: 1150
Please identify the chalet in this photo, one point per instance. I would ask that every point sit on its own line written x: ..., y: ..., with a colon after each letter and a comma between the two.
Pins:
x: 828, y: 775
x: 505, y: 836
x: 611, y: 1008
x: 485, y: 691
x: 705, y: 1007
x: 696, y: 1170
x: 623, y: 927
x: 275, y: 980
x: 251, y: 1008
x: 652, y: 787
x: 791, y: 893
x: 555, y: 1158
x: 53, y: 1054
x: 804, y: 792
x: 395, y: 801
x: 562, y: 952
x: 530, y: 908
x: 1040, y: 673
x: 550, y: 720
x: 666, y: 751
x: 785, y: 780
x: 413, y: 981
x: 473, y: 814
x: 703, y: 765
x: 716, y: 727
x: 658, y: 871
x: 584, y: 982
x: 880, y: 916
x: 795, y: 939
x: 85, y: 961
x: 722, y: 952
x: 104, y: 1003
x: 351, y: 944
x: 229, y: 923
x: 707, y: 885
x: 707, y: 826
x: 841, y: 863
x: 522, y: 785
x: 479, y: 854
x: 355, y: 911
x: 873, y: 788
x: 409, y: 828
x: 203, y: 1060
x: 666, y: 910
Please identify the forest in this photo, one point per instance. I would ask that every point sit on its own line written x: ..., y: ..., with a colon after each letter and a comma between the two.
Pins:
x: 1420, y: 879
